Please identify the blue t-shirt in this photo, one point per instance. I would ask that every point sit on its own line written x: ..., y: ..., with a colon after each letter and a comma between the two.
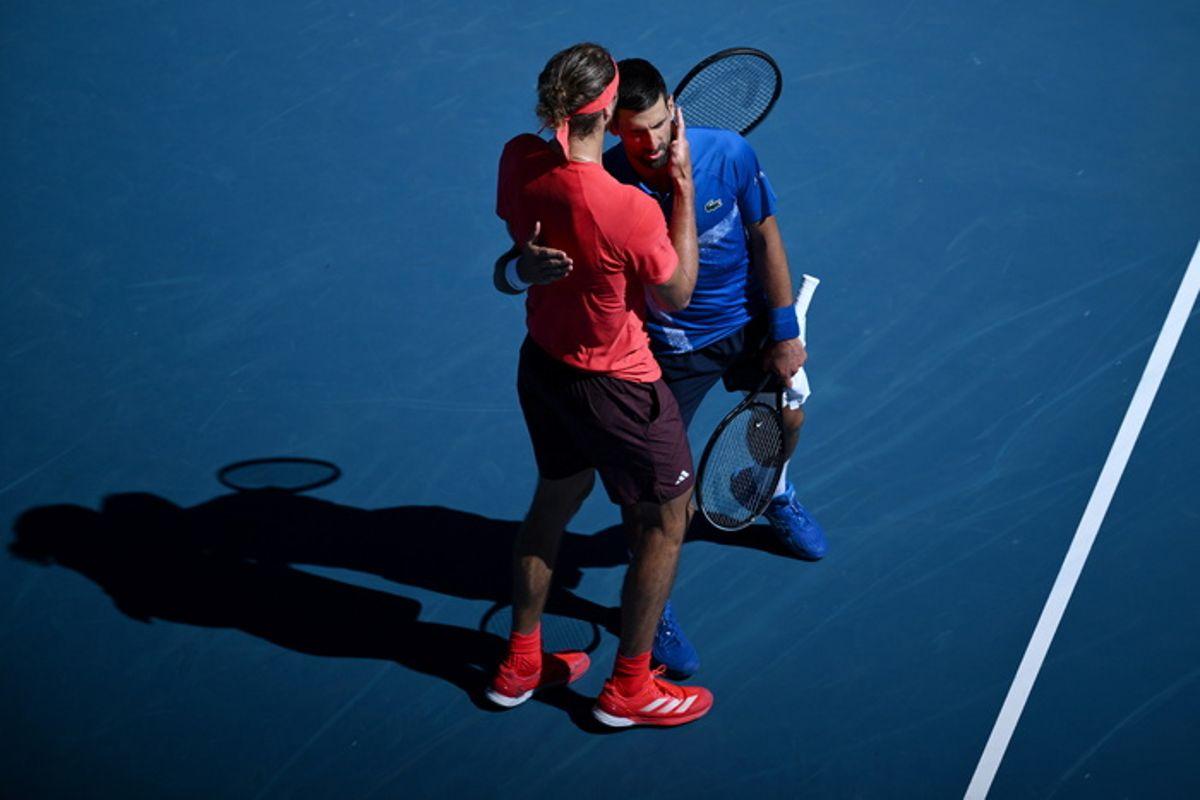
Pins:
x: 731, y: 193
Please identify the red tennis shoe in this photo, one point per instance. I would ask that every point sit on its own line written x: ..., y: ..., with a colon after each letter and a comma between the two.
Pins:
x: 659, y: 702
x: 511, y: 687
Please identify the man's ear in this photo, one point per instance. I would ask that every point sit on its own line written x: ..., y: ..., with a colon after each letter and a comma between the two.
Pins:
x: 611, y: 123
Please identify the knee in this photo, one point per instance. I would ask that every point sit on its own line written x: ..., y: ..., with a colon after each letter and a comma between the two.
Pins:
x: 582, y: 490
x: 560, y: 499
x: 793, y: 419
x: 667, y: 520
x: 641, y: 516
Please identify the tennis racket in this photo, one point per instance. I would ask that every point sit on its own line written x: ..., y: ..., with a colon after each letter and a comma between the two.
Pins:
x: 744, y: 457
x: 733, y: 89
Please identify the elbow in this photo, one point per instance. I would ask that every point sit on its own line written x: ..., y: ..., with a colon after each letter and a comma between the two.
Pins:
x: 676, y: 300
x: 684, y: 284
x: 682, y: 299
x: 676, y: 293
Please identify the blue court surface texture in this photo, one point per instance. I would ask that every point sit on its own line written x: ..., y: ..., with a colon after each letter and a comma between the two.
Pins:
x: 255, y: 230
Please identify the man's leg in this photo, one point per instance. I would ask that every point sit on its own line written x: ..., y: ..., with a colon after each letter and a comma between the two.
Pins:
x: 792, y: 523
x: 525, y: 668
x: 656, y: 536
x: 793, y: 421
x: 633, y: 695
x: 671, y: 647
x: 689, y: 376
x: 797, y: 529
x: 555, y: 502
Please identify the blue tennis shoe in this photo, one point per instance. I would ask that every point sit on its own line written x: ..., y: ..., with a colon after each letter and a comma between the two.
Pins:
x: 671, y: 648
x: 795, y: 527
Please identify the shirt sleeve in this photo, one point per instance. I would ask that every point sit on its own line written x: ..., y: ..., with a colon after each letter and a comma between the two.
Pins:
x: 649, y: 250
x: 508, y: 181
x: 755, y: 197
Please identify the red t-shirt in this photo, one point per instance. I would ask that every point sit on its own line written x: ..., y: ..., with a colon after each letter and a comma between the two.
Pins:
x: 594, y: 318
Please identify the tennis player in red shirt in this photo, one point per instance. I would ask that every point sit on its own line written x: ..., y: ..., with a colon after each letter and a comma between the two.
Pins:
x: 591, y: 392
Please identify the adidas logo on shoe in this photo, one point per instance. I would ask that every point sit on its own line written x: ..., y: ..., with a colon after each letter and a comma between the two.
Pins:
x: 659, y: 703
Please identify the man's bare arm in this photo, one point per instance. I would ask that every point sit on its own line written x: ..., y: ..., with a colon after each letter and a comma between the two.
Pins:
x: 769, y: 258
x: 535, y: 265
x: 676, y: 293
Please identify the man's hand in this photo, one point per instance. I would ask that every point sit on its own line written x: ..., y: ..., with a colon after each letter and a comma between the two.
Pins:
x: 676, y: 293
x: 541, y: 265
x: 681, y: 152
x: 783, y: 359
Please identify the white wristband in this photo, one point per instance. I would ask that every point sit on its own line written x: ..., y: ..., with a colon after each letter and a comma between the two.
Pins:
x: 513, y: 278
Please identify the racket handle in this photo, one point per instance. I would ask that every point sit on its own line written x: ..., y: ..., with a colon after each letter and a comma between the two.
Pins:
x: 808, y: 285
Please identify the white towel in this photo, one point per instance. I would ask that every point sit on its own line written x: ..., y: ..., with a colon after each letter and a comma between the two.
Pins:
x: 798, y: 391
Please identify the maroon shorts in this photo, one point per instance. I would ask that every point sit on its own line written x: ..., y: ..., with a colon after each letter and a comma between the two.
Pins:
x: 631, y: 433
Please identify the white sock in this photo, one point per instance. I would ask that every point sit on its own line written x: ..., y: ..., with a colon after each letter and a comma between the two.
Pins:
x: 781, y: 487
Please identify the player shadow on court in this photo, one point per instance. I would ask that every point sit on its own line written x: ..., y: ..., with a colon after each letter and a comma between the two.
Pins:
x: 227, y: 563
x: 754, y: 537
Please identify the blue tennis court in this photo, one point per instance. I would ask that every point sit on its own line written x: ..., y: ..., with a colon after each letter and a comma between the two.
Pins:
x: 235, y: 232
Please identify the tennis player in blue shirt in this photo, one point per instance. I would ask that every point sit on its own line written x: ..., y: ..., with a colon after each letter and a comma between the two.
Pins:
x: 740, y: 323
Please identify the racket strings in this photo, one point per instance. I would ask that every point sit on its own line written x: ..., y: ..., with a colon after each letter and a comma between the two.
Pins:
x: 742, y: 467
x: 559, y: 632
x: 732, y: 92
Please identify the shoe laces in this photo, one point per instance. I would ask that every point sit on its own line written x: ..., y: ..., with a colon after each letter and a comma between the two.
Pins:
x: 523, y: 666
x: 665, y: 686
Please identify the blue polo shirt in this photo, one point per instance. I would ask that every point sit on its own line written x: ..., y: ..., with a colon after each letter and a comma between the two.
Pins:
x: 731, y: 193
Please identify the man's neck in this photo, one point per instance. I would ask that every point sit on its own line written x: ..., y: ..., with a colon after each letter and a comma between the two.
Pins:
x: 589, y: 148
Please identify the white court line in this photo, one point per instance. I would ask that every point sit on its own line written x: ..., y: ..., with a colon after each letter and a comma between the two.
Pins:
x: 1085, y: 534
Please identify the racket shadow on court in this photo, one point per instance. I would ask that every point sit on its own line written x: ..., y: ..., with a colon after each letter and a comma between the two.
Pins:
x: 441, y: 549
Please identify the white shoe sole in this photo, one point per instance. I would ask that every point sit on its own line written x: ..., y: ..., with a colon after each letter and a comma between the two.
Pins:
x: 506, y: 701
x: 610, y: 720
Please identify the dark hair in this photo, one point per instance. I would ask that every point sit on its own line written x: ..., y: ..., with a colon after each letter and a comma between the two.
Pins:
x: 641, y: 85
x: 573, y: 78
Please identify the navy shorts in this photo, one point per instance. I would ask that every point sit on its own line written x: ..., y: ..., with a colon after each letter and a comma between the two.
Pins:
x: 631, y: 433
x: 736, y: 360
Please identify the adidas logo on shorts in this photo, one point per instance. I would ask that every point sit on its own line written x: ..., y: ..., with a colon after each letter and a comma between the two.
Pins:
x: 683, y: 476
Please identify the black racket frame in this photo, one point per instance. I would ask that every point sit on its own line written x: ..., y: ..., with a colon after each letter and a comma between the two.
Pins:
x: 747, y: 401
x: 738, y: 51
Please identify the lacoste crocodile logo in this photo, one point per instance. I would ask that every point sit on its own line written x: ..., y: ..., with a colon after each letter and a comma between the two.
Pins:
x: 712, y: 205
